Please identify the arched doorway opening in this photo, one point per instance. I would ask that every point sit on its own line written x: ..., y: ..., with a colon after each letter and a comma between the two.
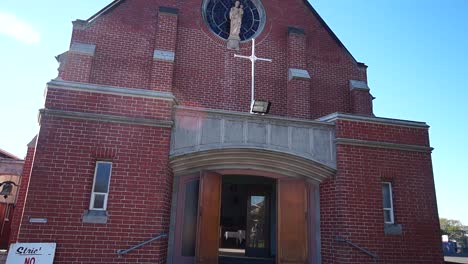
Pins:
x: 227, y: 205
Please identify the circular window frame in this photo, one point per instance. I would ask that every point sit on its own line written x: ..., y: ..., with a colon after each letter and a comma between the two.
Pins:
x: 261, y: 13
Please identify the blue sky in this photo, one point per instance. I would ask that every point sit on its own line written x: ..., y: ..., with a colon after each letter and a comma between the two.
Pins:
x: 416, y: 50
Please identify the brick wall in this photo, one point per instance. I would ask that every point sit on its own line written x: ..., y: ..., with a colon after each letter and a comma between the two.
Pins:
x: 61, y: 183
x: 22, y: 194
x: 206, y: 74
x: 352, y: 201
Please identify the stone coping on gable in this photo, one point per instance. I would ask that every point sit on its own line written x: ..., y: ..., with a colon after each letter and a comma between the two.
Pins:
x: 106, y: 89
x: 369, y: 119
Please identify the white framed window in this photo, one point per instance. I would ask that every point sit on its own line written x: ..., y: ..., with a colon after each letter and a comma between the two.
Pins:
x: 387, y: 199
x: 100, y: 191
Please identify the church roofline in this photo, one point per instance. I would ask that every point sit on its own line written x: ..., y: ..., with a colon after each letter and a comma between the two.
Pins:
x: 8, y: 155
x: 332, y: 34
x: 105, y: 10
x: 116, y: 3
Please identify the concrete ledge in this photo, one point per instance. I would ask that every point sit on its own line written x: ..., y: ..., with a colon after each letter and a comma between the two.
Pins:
x: 393, y: 229
x: 298, y: 74
x: 378, y: 120
x: 82, y: 48
x: 295, y: 30
x: 95, y: 217
x: 358, y: 85
x: 105, y: 118
x: 296, y: 121
x: 385, y: 145
x: 105, y: 89
x: 164, y: 55
x: 168, y: 10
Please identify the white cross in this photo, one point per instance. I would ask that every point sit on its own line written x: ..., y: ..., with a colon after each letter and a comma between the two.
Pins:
x: 253, y: 59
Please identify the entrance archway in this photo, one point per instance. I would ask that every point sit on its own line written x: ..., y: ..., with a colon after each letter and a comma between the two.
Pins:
x: 196, y: 226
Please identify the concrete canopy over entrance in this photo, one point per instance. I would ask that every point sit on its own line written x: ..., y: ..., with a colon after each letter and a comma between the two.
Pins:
x: 207, y: 139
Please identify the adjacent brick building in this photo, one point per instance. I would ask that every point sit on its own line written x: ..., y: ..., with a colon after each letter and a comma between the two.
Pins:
x: 146, y: 133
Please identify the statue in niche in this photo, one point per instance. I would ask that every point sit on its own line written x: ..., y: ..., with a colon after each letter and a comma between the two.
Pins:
x: 236, y: 13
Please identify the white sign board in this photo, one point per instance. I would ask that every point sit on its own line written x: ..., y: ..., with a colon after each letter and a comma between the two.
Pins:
x: 31, y: 253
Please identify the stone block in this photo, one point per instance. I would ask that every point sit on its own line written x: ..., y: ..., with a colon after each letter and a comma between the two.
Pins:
x: 164, y: 55
x: 299, y: 74
x: 82, y: 48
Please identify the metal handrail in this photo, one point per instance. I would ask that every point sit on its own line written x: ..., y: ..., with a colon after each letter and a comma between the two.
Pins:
x: 373, y: 255
x: 121, y: 252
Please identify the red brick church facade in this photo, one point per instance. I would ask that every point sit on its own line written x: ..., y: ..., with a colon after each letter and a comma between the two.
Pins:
x: 151, y: 95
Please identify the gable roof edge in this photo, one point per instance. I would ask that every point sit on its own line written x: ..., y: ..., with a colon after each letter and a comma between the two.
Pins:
x: 105, y: 10
x: 332, y: 34
x: 8, y: 155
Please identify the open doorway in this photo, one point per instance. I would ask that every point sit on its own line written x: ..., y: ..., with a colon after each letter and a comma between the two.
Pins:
x: 248, y: 218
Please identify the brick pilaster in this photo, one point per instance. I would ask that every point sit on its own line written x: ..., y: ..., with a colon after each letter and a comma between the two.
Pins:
x: 164, y: 50
x: 361, y: 99
x: 78, y: 63
x: 298, y: 89
x: 22, y: 192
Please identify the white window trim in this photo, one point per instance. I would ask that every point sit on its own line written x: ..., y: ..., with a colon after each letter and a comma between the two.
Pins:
x: 93, y: 193
x: 392, y: 218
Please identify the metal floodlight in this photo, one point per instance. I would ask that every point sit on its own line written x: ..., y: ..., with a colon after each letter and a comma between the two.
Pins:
x: 260, y: 107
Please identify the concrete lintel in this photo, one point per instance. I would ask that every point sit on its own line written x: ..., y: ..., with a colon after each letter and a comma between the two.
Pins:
x: 358, y: 85
x: 83, y: 48
x: 105, y: 89
x: 378, y: 120
x: 298, y: 74
x: 385, y: 145
x: 164, y: 55
x: 105, y: 118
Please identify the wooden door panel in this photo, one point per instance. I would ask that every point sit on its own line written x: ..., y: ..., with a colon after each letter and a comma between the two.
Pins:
x: 292, y: 221
x: 208, y: 218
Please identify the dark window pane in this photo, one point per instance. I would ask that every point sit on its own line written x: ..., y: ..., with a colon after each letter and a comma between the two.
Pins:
x: 102, y: 177
x: 99, y: 201
x: 189, y: 229
x: 257, y: 221
x: 386, y: 195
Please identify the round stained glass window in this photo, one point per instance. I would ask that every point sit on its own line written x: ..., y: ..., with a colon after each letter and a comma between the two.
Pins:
x: 216, y: 15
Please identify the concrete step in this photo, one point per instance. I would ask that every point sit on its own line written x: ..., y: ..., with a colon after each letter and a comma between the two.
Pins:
x: 244, y: 260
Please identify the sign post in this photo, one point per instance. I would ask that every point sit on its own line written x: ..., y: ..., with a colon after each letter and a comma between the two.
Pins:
x: 31, y: 253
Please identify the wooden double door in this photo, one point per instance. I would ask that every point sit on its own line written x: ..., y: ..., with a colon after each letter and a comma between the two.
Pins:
x: 291, y: 220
